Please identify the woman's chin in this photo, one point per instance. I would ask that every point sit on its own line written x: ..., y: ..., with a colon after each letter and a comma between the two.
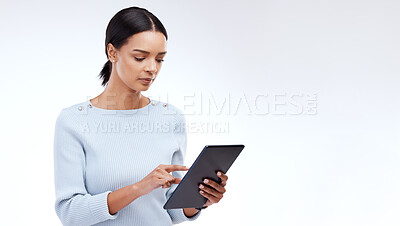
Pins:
x: 141, y: 87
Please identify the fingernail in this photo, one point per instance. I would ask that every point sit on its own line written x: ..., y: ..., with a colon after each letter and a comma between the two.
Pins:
x: 201, y: 186
x: 201, y: 192
x: 219, y: 174
x: 206, y: 181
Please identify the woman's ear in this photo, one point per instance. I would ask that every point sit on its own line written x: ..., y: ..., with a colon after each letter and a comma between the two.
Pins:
x: 111, y: 52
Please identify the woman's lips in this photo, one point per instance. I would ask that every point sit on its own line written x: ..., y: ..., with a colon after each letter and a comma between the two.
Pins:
x: 145, y: 81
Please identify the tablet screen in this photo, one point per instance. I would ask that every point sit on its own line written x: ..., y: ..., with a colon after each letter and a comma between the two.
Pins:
x: 213, y: 158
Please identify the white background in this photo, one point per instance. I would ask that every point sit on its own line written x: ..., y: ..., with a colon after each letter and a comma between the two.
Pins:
x: 336, y: 166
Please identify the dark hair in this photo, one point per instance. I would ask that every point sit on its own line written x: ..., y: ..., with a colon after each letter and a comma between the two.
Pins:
x: 124, y: 24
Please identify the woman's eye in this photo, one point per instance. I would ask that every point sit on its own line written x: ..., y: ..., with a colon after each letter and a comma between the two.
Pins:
x: 139, y: 59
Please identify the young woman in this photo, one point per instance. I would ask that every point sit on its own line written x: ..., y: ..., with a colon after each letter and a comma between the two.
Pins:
x: 114, y: 154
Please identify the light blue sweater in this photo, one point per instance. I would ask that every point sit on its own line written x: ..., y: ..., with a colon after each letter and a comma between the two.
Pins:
x: 97, y: 151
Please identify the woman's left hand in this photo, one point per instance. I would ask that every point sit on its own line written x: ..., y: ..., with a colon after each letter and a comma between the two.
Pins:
x: 213, y: 191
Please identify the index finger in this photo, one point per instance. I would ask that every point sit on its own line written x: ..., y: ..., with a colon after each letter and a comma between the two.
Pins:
x: 170, y: 168
x: 223, y: 176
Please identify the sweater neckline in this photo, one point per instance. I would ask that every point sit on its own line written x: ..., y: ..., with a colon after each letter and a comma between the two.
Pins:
x: 121, y: 112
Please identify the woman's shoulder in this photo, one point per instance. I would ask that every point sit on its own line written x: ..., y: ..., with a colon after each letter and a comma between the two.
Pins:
x: 169, y: 109
x: 167, y: 106
x: 73, y: 111
x: 77, y: 107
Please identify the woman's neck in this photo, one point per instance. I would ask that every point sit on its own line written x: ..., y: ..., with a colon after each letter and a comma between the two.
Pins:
x: 120, y: 101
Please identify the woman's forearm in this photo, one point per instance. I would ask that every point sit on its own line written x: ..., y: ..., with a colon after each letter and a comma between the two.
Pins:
x: 190, y: 212
x: 122, y: 197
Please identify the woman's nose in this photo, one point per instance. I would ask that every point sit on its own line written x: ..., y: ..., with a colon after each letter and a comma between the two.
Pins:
x: 151, y: 67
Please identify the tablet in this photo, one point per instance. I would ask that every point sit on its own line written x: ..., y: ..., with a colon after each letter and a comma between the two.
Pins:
x: 213, y: 158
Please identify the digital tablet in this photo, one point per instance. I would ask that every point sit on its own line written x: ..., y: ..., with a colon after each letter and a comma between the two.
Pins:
x: 212, y: 159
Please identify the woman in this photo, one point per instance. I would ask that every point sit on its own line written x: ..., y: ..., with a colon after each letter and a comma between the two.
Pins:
x: 113, y: 154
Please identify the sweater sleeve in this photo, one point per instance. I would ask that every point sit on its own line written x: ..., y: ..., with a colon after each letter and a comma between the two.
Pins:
x: 177, y: 215
x: 74, y: 205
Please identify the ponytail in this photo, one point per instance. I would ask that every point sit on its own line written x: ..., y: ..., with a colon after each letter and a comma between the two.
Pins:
x: 106, y: 73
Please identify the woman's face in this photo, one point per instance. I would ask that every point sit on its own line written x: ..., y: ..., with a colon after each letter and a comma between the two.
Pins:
x: 138, y: 62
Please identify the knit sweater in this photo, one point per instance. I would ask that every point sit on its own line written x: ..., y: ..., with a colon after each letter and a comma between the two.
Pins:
x: 97, y: 151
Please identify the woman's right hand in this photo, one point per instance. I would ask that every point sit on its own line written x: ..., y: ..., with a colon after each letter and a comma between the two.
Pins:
x: 160, y: 176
